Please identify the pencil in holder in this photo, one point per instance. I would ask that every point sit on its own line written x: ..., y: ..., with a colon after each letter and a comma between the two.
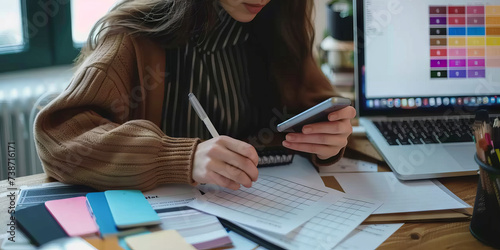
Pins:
x: 485, y: 222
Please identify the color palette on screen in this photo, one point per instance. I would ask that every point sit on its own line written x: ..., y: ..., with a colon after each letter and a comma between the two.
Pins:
x: 438, y: 41
x: 457, y: 29
x: 464, y: 40
x: 476, y: 31
x: 492, y: 14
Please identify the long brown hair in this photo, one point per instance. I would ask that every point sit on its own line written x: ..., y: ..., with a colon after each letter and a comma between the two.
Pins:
x: 284, y: 28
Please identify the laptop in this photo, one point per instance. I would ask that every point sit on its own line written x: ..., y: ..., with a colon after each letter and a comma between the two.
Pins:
x: 422, y: 70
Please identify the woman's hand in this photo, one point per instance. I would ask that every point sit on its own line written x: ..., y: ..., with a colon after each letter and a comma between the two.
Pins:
x: 226, y: 162
x: 325, y: 139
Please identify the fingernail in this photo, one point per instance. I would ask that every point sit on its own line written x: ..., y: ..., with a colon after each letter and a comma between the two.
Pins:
x: 290, y: 137
x: 307, y: 130
x: 331, y: 117
x: 286, y: 144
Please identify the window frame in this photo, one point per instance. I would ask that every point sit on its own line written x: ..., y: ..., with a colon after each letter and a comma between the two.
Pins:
x: 35, y: 52
x: 66, y: 51
x: 47, y: 33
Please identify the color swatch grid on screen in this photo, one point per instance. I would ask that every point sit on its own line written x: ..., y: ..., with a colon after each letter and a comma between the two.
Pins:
x: 464, y: 40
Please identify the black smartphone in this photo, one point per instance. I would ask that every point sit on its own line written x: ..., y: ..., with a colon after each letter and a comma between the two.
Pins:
x: 315, y: 114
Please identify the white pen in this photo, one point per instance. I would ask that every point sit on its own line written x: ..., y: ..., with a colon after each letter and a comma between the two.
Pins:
x: 201, y: 113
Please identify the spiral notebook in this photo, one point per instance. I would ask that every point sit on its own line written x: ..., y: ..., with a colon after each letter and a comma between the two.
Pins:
x: 273, y: 156
x: 270, y: 150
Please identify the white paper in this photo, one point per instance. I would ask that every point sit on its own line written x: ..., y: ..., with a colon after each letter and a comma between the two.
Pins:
x: 368, y: 236
x: 451, y: 194
x: 346, y: 165
x: 21, y: 242
x: 300, y: 168
x: 240, y: 242
x: 358, y: 131
x: 203, y: 231
x: 398, y: 196
x: 273, y: 204
x: 171, y: 195
x: 45, y: 185
x: 328, y: 228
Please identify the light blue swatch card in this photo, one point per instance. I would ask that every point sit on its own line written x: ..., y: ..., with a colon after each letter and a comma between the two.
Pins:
x: 129, y: 208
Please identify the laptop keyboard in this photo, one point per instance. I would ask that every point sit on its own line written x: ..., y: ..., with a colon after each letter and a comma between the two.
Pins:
x: 426, y: 131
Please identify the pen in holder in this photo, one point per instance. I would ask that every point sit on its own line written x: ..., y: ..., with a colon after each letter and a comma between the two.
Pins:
x: 485, y: 222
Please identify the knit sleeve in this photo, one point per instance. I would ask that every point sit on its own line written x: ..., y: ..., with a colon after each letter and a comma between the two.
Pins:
x: 95, y: 133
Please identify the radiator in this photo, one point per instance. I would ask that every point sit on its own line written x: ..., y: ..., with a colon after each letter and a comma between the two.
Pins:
x: 20, y: 102
x: 16, y: 130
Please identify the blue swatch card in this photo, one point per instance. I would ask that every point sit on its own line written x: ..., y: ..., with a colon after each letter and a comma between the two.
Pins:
x: 98, y: 206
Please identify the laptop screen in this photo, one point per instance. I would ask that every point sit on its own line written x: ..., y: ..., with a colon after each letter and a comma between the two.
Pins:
x: 427, y: 56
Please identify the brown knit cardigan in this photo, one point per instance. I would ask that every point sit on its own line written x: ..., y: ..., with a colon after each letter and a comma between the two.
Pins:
x: 103, y: 130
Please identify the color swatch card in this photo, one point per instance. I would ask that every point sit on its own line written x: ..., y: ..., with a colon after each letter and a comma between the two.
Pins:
x: 166, y: 239
x: 99, y: 209
x: 73, y: 216
x: 107, y: 243
x: 38, y: 224
x: 123, y: 244
x: 129, y: 208
x: 203, y: 231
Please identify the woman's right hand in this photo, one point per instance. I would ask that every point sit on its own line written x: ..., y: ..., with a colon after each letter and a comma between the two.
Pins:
x: 226, y: 162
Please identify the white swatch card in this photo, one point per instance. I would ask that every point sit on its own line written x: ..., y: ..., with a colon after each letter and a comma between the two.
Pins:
x: 273, y: 204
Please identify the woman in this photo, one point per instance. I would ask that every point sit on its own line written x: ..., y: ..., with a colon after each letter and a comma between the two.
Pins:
x: 125, y: 120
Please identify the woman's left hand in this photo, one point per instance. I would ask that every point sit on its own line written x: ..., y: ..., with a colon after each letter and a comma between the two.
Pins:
x: 325, y: 139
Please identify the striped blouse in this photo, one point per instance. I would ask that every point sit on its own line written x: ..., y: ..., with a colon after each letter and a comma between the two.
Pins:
x: 216, y: 69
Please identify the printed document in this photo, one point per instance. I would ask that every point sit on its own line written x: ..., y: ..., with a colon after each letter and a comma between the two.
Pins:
x: 399, y: 196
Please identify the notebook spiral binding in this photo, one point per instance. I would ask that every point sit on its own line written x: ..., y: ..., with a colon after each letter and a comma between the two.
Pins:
x: 274, y: 156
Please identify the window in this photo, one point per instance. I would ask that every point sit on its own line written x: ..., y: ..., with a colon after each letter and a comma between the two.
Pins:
x: 84, y: 14
x: 11, y: 30
x: 45, y: 32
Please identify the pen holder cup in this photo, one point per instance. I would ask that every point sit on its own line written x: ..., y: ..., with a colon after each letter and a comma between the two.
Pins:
x: 485, y: 222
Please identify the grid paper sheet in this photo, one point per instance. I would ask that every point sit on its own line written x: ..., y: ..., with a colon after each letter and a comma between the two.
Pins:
x: 273, y: 204
x: 328, y: 228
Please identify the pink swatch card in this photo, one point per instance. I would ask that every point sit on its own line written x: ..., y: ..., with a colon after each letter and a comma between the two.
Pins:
x: 73, y: 216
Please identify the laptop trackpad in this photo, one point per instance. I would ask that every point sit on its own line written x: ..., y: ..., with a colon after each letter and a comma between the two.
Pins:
x: 463, y: 154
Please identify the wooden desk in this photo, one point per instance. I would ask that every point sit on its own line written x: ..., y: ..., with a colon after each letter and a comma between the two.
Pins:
x: 440, y: 235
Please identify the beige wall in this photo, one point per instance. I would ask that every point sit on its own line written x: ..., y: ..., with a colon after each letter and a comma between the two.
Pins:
x: 319, y: 20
